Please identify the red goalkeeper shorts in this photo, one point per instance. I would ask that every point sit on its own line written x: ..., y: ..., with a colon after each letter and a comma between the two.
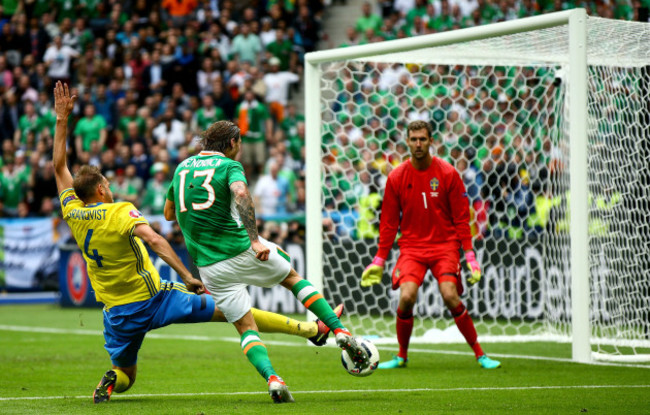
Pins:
x: 443, y: 260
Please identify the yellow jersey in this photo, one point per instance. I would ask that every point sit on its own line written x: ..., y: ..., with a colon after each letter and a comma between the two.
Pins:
x: 117, y: 261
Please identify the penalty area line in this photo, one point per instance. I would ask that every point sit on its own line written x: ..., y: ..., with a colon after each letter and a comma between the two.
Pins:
x: 194, y: 394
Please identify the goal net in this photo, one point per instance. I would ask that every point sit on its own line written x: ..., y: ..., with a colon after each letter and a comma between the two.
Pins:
x: 517, y: 124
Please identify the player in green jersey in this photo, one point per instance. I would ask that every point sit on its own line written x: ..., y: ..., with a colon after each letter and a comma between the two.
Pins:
x: 210, y: 199
x: 136, y: 300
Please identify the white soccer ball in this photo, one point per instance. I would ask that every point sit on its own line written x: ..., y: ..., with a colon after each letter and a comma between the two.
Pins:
x: 373, y: 354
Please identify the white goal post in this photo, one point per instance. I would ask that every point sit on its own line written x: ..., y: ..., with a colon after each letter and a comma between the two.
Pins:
x: 564, y: 52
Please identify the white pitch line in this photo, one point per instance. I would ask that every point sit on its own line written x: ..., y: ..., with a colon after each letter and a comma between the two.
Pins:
x: 526, y: 357
x: 194, y: 394
x: 150, y: 335
x: 153, y: 335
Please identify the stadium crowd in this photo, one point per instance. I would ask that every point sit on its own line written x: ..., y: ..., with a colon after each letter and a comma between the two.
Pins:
x: 498, y: 125
x: 152, y: 75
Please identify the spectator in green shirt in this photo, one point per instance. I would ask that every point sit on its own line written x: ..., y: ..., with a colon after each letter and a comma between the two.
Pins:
x: 296, y: 142
x: 442, y: 22
x: 13, y: 181
x: 28, y: 122
x: 65, y: 9
x: 131, y: 114
x: 155, y: 194
x: 291, y: 119
x: 91, y: 127
x: 420, y: 10
x: 282, y: 49
x: 123, y: 189
x: 528, y: 8
x: 9, y: 7
x: 256, y: 128
x: 207, y: 114
x: 369, y: 20
x: 488, y: 9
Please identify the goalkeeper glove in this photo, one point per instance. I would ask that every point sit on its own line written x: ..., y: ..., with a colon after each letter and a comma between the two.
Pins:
x: 373, y: 272
x: 474, y: 268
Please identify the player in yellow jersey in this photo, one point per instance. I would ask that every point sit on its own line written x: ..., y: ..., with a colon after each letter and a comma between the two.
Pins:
x: 136, y: 301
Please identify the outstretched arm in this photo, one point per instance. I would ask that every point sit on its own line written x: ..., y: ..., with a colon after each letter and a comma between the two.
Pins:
x: 161, y: 247
x: 63, y: 105
x: 246, y: 210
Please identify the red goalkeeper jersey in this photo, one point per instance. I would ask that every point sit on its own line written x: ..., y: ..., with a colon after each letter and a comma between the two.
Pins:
x: 428, y: 206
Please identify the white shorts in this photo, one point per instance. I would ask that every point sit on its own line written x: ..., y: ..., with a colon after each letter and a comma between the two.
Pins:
x: 227, y: 280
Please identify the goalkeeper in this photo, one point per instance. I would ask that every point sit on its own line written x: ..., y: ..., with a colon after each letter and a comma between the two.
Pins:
x: 426, y: 200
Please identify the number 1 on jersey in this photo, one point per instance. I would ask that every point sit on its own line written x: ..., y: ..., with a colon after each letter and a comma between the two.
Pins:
x: 424, y: 197
x: 206, y: 185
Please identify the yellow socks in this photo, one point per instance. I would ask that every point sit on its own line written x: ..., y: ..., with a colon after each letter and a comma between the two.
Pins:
x: 268, y: 322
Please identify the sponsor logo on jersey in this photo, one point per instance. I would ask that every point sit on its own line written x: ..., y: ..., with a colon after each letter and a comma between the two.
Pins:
x: 68, y: 199
x: 135, y: 214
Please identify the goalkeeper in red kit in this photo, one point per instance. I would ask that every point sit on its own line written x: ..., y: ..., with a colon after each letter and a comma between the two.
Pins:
x: 425, y: 200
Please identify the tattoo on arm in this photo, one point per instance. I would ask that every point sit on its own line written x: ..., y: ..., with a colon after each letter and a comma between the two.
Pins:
x: 245, y: 208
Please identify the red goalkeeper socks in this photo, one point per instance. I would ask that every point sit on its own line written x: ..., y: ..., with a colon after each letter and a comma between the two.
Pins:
x: 404, y: 328
x: 466, y: 327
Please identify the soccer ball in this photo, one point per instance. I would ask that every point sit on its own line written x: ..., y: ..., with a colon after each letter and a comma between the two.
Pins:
x: 351, y: 366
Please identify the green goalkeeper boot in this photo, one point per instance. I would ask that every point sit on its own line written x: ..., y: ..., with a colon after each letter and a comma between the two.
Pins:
x: 487, y: 363
x: 395, y: 363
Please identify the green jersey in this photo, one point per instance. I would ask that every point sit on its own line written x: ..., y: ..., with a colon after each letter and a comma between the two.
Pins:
x: 281, y: 50
x: 89, y: 130
x: 12, y: 187
x: 10, y: 6
x: 65, y: 8
x: 123, y: 124
x: 364, y: 23
x: 205, y: 209
x: 252, y: 117
x: 27, y: 124
x: 154, y: 199
x: 205, y: 118
x: 122, y: 190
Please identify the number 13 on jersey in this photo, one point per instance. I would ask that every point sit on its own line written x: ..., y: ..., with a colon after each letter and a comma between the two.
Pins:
x: 208, y: 174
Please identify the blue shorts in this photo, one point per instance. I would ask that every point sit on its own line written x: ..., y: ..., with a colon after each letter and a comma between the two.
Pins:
x: 126, y: 325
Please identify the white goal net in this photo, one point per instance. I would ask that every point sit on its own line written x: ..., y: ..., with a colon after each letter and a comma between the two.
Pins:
x: 500, y: 111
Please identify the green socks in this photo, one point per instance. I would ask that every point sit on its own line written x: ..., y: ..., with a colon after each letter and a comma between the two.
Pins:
x: 256, y: 353
x: 314, y: 302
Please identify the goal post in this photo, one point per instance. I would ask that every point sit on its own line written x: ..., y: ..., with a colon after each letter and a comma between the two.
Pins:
x: 484, y: 85
x: 580, y: 324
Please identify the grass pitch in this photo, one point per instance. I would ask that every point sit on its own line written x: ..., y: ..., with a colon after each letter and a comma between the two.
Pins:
x: 51, y: 360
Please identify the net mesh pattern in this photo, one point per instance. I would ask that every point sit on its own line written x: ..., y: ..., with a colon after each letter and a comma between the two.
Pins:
x: 499, y: 111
